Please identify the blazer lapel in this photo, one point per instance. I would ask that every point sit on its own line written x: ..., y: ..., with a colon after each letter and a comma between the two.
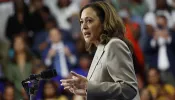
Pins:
x: 98, y: 55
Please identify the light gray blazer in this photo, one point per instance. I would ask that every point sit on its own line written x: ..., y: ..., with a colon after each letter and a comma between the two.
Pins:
x: 111, y: 75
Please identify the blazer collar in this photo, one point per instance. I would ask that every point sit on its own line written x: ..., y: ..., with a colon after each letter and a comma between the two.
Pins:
x: 97, y: 57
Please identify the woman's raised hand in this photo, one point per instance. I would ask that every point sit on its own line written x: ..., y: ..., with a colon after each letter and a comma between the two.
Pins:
x: 77, y: 84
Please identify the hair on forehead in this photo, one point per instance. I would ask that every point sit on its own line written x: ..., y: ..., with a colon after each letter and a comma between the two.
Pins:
x: 98, y: 10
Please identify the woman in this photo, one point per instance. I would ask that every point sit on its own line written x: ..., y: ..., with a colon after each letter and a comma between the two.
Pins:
x: 20, y: 67
x: 51, y: 92
x: 9, y: 92
x: 111, y: 75
x: 158, y: 89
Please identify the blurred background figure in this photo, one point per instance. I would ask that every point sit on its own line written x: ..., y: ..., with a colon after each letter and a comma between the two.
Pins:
x: 38, y: 14
x: 133, y: 34
x: 18, y: 22
x: 145, y: 95
x: 160, y: 49
x: 3, y: 57
x: 63, y: 10
x: 159, y: 90
x: 59, y: 54
x: 40, y: 44
x: 162, y: 7
x: 20, y: 65
x: 36, y: 35
x: 80, y: 46
x: 9, y: 92
x: 50, y: 92
x: 84, y: 64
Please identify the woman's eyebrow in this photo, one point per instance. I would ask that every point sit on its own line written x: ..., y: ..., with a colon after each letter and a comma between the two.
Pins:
x: 86, y: 18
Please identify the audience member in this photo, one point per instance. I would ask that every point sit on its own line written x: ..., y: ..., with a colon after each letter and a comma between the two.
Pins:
x: 133, y: 34
x: 138, y: 7
x: 80, y: 46
x: 9, y: 92
x: 21, y: 65
x: 161, y: 7
x: 158, y: 89
x: 63, y: 10
x: 160, y: 49
x: 19, y: 21
x: 59, y: 54
x: 84, y: 64
x: 40, y: 40
x: 39, y: 13
x: 145, y: 94
x: 50, y: 92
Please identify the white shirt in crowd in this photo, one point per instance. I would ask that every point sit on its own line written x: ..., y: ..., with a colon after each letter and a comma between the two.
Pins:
x: 62, y: 14
x: 59, y: 47
x: 163, y: 61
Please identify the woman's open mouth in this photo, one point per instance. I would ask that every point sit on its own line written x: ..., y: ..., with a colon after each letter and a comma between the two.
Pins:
x: 87, y: 34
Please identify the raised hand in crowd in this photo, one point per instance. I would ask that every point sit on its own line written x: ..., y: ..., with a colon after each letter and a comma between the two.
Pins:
x: 51, y: 53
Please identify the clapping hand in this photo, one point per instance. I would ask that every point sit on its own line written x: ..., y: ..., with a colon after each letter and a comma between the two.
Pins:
x: 77, y: 84
x: 51, y: 53
x: 67, y: 51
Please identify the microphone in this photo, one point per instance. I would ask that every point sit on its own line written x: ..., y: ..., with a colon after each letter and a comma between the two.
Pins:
x: 47, y: 74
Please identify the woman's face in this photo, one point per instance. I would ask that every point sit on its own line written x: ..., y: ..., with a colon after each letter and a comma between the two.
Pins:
x: 91, y: 27
x: 153, y: 76
x: 49, y: 90
x: 84, y: 62
x: 19, y: 44
x: 161, y: 23
x: 9, y: 93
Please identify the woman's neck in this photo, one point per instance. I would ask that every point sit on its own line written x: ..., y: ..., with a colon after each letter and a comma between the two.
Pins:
x: 21, y: 58
x: 96, y: 43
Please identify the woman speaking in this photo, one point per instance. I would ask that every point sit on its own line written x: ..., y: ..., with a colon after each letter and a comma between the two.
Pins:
x: 111, y: 75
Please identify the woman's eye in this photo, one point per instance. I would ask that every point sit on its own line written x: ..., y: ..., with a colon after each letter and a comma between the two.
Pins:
x: 89, y: 21
x: 81, y: 22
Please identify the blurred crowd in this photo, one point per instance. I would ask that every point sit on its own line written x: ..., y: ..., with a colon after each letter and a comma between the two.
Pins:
x: 36, y: 35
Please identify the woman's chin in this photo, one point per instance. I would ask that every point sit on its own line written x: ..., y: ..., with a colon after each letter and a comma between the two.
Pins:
x: 87, y: 40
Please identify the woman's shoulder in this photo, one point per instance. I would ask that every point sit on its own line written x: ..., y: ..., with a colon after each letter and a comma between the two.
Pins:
x: 115, y: 40
x: 169, y: 88
x: 116, y: 43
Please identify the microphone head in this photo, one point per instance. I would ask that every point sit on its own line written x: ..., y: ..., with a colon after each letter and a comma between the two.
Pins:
x: 47, y: 74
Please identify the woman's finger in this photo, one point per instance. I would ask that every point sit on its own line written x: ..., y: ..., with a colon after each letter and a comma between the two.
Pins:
x: 75, y: 74
x: 67, y: 80
x: 67, y: 87
x: 71, y: 90
x: 66, y: 84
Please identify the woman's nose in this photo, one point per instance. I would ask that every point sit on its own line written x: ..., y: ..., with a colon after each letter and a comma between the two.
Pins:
x: 84, y: 26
